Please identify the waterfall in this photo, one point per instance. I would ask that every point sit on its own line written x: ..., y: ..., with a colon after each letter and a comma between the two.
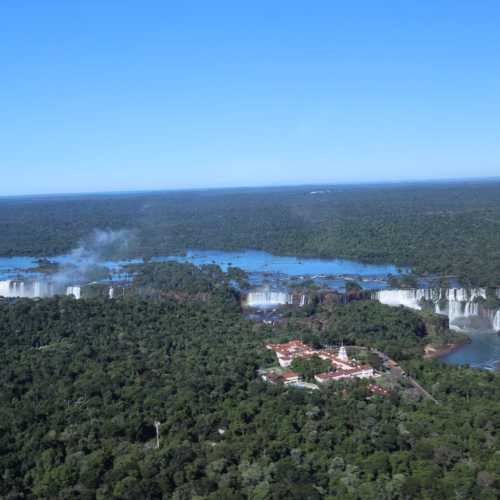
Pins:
x: 30, y: 289
x: 466, y: 294
x: 456, y: 303
x: 302, y: 300
x: 266, y: 297
x: 496, y: 321
x: 74, y: 290
x: 14, y: 289
x: 41, y: 288
x: 410, y: 298
x: 471, y: 309
x: 5, y: 288
x: 111, y: 292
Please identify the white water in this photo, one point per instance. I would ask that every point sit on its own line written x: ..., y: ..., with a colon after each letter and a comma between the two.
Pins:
x: 5, y: 288
x: 456, y: 303
x: 35, y: 289
x: 496, y: 321
x: 75, y: 291
x: 41, y: 289
x: 16, y: 288
x: 266, y: 297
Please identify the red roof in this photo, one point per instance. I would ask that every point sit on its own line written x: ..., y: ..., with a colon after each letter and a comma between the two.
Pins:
x: 297, y: 349
x: 272, y: 377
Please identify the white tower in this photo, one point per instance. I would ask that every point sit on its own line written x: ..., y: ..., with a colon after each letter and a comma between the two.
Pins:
x: 343, y: 353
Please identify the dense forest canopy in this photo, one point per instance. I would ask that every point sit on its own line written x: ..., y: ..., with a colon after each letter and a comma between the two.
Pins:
x: 399, y: 332
x: 441, y: 228
x: 84, y: 381
x: 183, y: 276
x: 175, y: 279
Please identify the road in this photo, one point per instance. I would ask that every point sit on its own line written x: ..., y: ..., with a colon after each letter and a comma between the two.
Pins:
x: 396, y: 370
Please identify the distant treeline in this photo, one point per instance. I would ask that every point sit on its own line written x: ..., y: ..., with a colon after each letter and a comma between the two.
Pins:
x: 445, y: 229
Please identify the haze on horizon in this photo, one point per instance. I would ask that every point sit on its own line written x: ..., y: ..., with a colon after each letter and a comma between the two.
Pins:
x: 125, y: 96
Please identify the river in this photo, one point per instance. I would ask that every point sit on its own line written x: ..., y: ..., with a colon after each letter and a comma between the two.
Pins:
x: 261, y: 266
x: 483, y: 351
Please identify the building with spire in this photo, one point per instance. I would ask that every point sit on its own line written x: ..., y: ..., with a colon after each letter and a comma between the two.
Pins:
x: 343, y: 353
x: 342, y: 367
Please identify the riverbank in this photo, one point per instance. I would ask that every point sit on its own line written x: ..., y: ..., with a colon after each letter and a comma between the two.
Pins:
x: 435, y: 352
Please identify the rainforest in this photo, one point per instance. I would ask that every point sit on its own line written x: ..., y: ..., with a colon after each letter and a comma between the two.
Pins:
x: 84, y: 381
x: 249, y: 250
x: 450, y: 229
x: 134, y: 366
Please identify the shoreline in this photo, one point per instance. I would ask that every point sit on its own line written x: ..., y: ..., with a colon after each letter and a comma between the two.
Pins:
x: 432, y: 352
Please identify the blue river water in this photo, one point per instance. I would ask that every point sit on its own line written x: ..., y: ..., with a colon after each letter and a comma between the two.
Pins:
x: 482, y: 352
x: 256, y: 263
x: 11, y: 266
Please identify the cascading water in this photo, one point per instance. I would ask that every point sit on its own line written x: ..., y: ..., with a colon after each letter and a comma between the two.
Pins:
x: 5, y: 288
x: 75, y: 291
x: 408, y: 298
x: 42, y: 288
x: 28, y: 289
x: 456, y: 303
x: 15, y: 288
x: 496, y: 321
x: 267, y: 297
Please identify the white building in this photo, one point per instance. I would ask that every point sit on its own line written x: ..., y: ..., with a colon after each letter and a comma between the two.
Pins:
x: 363, y: 371
x: 343, y: 354
x: 343, y: 367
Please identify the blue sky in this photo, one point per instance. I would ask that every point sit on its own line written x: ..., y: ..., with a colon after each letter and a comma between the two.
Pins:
x: 102, y: 95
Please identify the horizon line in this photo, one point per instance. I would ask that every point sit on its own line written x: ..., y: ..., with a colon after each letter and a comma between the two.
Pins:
x: 117, y: 192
